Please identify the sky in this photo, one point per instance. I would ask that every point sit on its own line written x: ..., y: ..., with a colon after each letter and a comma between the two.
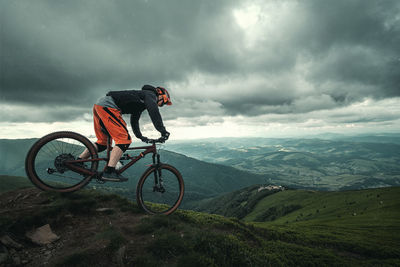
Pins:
x: 233, y: 68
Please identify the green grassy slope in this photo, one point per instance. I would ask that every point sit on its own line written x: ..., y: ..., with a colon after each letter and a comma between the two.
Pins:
x: 372, y: 206
x: 364, y: 222
x: 9, y: 183
x: 235, y: 204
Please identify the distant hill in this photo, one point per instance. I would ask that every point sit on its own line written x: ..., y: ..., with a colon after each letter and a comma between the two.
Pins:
x: 107, y: 230
x: 259, y: 204
x: 235, y: 204
x: 12, y: 156
x: 307, y: 163
x: 378, y: 205
x: 9, y: 183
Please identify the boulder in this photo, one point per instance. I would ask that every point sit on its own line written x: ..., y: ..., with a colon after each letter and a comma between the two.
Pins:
x: 42, y: 235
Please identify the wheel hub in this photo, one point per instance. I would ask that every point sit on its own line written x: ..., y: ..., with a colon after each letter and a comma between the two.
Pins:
x: 60, y: 160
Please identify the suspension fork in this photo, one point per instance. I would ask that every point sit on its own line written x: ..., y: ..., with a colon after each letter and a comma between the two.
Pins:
x: 158, y: 180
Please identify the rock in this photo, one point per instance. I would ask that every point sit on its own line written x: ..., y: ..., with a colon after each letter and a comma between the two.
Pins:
x: 120, y: 256
x: 42, y: 235
x: 104, y: 209
x: 18, y: 196
x: 8, y: 242
x: 3, y: 254
x: 16, y: 260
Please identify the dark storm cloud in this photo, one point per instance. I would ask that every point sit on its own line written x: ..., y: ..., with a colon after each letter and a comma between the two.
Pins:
x: 43, y: 113
x: 66, y: 51
x: 350, y: 50
x: 298, y: 57
x: 355, y: 42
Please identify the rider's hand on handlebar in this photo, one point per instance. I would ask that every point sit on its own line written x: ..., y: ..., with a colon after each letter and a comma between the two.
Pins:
x: 160, y: 140
x: 164, y: 137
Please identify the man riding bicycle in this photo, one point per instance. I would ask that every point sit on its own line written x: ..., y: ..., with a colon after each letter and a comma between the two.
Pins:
x: 108, y: 121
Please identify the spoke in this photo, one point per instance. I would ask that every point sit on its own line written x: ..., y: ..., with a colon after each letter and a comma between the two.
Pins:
x: 54, y: 147
x: 47, y: 152
x: 75, y: 147
x: 61, y: 145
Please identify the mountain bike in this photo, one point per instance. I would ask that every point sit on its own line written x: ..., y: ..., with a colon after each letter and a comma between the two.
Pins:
x: 52, y: 164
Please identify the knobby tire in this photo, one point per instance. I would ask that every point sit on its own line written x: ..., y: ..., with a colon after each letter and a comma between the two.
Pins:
x: 36, y: 148
x: 148, y: 174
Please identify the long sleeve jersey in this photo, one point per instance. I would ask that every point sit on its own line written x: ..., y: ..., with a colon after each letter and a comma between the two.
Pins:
x: 134, y: 102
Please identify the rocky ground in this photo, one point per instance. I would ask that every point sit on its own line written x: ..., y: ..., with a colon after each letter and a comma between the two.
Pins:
x: 40, y: 229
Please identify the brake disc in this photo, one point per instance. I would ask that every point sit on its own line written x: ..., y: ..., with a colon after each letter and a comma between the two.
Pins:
x: 60, y: 160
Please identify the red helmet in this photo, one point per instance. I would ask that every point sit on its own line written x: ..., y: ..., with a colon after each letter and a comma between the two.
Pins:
x: 165, y: 95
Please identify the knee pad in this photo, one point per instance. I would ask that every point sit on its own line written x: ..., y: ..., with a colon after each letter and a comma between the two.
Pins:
x: 100, y: 148
x: 123, y: 147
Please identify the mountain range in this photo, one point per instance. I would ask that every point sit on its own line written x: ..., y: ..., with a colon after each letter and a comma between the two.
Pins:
x: 213, y: 167
x: 324, y: 164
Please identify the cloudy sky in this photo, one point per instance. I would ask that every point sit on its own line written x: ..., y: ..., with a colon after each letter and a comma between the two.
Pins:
x: 233, y: 68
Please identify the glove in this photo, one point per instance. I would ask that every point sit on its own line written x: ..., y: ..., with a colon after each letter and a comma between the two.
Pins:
x: 144, y: 139
x: 165, y: 136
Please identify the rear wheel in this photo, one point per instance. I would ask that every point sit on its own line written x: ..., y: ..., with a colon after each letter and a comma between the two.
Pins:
x: 160, y: 190
x: 46, y: 166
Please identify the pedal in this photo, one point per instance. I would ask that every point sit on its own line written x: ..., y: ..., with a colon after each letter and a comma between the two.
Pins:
x: 98, y: 178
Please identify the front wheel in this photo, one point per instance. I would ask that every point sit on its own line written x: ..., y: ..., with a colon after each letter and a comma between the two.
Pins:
x: 46, y: 165
x: 160, y: 190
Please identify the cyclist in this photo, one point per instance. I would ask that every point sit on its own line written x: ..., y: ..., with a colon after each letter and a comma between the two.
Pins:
x: 107, y: 117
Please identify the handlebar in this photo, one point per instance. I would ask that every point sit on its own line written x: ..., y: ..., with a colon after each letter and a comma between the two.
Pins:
x: 154, y: 141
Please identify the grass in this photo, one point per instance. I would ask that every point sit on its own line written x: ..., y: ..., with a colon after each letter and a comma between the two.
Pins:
x: 213, y: 240
x: 364, y: 222
x: 113, y: 236
x: 79, y: 259
x: 10, y: 183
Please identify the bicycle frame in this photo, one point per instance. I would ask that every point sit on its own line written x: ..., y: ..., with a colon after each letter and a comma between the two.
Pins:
x: 147, y: 149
